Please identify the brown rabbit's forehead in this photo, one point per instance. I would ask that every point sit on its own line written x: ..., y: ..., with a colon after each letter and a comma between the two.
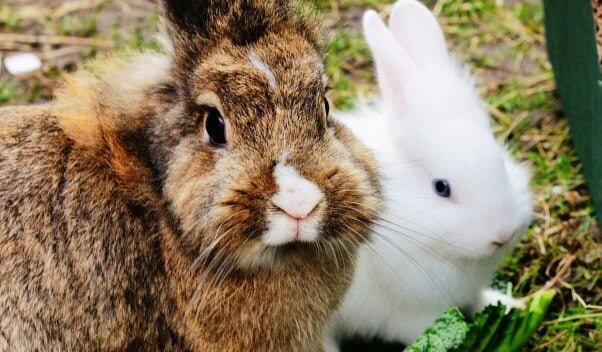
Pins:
x: 255, y: 80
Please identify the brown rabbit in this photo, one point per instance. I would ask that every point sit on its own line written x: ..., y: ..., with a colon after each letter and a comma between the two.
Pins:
x: 198, y: 201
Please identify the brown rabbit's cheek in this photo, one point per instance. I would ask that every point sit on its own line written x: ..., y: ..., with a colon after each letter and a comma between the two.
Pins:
x: 361, y: 156
x: 354, y: 205
x: 235, y: 219
x: 279, y: 212
x: 352, y: 191
x: 186, y: 182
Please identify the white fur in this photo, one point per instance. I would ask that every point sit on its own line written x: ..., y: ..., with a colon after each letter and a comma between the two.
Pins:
x: 261, y: 65
x: 489, y: 296
x: 428, y: 252
x: 297, y: 218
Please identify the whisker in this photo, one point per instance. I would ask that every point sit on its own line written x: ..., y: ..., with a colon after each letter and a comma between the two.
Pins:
x: 402, y: 162
x: 384, y: 166
x: 432, y: 278
x: 207, y: 251
x: 428, y: 237
x: 413, y: 231
x: 224, y: 270
x: 378, y: 255
x: 415, y: 241
x: 205, y: 275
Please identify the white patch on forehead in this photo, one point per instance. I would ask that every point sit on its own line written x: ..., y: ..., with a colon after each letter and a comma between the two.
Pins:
x: 259, y: 64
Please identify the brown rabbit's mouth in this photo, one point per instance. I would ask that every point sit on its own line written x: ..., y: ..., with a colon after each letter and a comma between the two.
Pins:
x: 297, y: 208
x: 273, y: 257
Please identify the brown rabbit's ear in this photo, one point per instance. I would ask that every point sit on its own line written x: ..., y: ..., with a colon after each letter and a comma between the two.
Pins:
x: 241, y: 21
x: 198, y: 26
x: 190, y: 17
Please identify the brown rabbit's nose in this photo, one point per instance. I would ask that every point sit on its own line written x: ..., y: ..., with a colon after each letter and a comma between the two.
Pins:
x: 296, y: 196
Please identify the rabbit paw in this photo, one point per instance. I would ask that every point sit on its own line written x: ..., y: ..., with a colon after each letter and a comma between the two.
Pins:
x: 491, y: 296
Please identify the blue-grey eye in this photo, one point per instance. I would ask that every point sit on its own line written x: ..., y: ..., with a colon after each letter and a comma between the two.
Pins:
x: 442, y: 187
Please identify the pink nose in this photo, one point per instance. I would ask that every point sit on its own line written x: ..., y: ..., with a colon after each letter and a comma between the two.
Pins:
x: 297, y: 206
x: 296, y: 196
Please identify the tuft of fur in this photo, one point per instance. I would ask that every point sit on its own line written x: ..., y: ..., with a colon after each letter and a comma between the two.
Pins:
x: 429, y: 252
x: 102, y: 107
x: 122, y: 227
x: 109, y: 96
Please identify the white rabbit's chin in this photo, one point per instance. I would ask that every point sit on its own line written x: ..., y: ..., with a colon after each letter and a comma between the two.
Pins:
x: 491, y: 239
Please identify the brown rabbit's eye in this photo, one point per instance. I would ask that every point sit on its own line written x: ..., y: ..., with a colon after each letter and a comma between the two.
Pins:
x: 326, y: 106
x: 216, y: 127
x: 329, y: 123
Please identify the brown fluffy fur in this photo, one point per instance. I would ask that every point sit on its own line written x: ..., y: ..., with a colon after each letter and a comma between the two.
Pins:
x: 109, y: 195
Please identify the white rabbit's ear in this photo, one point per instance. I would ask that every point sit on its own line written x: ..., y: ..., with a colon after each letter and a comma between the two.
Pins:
x: 419, y: 33
x: 395, y: 69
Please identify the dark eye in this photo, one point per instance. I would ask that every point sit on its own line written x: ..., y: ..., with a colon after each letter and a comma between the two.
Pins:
x: 215, y: 126
x: 326, y: 106
x: 442, y: 188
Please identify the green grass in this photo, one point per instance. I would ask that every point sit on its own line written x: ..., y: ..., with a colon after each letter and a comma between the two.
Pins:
x: 347, y: 58
x: 504, y: 44
x: 9, y: 19
x: 85, y: 26
x: 8, y: 91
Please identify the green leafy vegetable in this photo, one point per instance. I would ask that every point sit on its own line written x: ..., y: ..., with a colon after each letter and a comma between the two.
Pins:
x: 448, y: 332
x: 492, y: 330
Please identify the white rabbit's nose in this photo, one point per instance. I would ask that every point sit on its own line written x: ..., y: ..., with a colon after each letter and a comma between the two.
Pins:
x: 297, y: 196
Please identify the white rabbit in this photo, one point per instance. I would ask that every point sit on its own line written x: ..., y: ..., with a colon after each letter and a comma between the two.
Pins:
x: 456, y: 202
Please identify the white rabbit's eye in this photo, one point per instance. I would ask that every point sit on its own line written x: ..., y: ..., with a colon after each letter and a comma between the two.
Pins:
x: 442, y: 187
x: 216, y: 127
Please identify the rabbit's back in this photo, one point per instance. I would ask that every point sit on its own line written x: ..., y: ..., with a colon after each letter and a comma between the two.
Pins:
x: 78, y: 260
